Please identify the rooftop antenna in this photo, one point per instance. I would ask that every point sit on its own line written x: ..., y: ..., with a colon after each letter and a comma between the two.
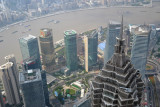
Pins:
x: 121, y: 32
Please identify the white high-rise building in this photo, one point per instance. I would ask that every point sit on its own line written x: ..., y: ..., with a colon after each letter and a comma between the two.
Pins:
x: 9, y: 80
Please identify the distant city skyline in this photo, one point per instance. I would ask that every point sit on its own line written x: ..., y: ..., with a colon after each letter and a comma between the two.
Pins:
x: 20, y: 29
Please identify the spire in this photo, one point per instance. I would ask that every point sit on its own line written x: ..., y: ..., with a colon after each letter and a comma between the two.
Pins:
x: 119, y: 59
x: 121, y: 32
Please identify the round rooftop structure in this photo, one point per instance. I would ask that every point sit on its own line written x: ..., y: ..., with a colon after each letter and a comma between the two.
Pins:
x: 70, y: 32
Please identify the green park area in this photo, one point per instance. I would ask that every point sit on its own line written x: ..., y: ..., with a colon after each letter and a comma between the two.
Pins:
x: 70, y: 91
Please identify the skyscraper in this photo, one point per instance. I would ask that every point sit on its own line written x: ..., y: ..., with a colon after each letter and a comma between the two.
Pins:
x: 9, y: 79
x: 118, y: 84
x: 11, y: 58
x: 45, y: 87
x: 140, y: 45
x: 32, y: 88
x: 42, y: 2
x: 30, y: 50
x: 113, y: 31
x: 91, y: 43
x: 71, y: 49
x: 47, y: 49
x: 1, y: 100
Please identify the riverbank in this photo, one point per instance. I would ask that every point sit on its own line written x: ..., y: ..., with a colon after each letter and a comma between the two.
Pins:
x: 80, y: 21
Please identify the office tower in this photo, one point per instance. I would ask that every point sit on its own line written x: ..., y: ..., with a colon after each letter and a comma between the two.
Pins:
x: 30, y: 50
x: 71, y: 49
x: 11, y: 58
x: 32, y: 88
x: 90, y: 44
x: 31, y: 64
x: 118, y: 84
x: 80, y: 45
x: 104, y: 2
x: 112, y: 32
x: 9, y: 79
x: 42, y: 2
x: 1, y: 100
x: 157, y: 32
x: 47, y: 49
x: 45, y: 87
x: 153, y: 31
x: 139, y: 51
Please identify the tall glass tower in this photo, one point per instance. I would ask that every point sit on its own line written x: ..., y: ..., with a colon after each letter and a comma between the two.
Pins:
x: 90, y: 44
x: 71, y: 49
x: 30, y: 51
x: 139, y: 52
x: 113, y: 31
x: 47, y: 49
x: 32, y: 88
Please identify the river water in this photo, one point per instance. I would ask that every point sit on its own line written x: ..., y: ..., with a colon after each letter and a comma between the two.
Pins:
x: 80, y: 21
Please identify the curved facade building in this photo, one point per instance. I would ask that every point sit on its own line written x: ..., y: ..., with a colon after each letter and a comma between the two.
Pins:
x: 140, y: 45
x: 47, y: 48
x: 71, y: 49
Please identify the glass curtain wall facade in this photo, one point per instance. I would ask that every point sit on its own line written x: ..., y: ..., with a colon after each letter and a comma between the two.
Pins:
x: 47, y: 48
x: 71, y: 49
x: 30, y: 51
x: 113, y: 31
x: 91, y: 44
x: 139, y: 50
x: 32, y: 88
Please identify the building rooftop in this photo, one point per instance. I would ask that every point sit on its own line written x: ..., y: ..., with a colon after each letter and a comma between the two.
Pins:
x: 93, y: 34
x: 50, y: 78
x: 157, y: 29
x: 6, y: 65
x: 45, y: 32
x: 28, y: 37
x: 142, y: 29
x: 30, y: 76
x: 114, y: 22
x: 9, y: 56
x: 70, y: 32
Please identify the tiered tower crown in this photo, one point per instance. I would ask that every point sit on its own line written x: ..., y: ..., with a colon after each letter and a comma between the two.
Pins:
x: 118, y: 84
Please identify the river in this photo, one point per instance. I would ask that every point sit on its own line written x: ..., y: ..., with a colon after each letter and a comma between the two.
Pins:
x: 80, y: 20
